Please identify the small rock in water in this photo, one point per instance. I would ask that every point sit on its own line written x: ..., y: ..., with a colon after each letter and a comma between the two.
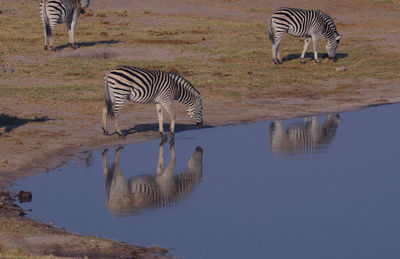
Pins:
x: 341, y: 69
x: 24, y: 196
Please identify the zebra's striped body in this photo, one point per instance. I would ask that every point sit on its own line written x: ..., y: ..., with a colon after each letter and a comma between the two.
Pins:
x: 60, y: 11
x: 303, y: 23
x: 149, y: 86
x: 149, y: 191
x: 303, y: 138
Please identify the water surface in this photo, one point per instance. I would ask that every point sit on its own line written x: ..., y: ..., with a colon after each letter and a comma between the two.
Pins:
x: 325, y: 187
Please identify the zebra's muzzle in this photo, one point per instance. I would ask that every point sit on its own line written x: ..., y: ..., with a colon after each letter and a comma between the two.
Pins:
x: 198, y: 124
x: 333, y: 59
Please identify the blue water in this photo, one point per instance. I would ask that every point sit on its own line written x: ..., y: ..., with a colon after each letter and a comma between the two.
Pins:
x: 336, y: 197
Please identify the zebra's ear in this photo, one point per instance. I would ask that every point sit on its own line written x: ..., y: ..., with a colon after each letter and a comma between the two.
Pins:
x: 338, y: 37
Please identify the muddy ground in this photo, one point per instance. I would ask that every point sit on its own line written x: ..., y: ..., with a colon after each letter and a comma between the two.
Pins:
x: 44, y: 136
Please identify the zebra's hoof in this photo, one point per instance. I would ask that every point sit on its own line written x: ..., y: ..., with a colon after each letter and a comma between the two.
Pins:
x: 72, y: 46
x: 105, y: 132
x: 317, y: 61
x: 302, y: 61
x: 45, y: 48
x: 120, y: 135
x: 171, y: 134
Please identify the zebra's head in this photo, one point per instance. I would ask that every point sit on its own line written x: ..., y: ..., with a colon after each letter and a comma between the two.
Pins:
x: 195, y: 110
x: 189, y: 96
x: 84, y: 5
x: 332, y: 45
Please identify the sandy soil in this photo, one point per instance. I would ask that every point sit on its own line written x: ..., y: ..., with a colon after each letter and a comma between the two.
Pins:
x: 55, y: 136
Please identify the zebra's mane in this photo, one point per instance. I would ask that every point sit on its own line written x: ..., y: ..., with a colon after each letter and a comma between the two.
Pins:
x: 185, y: 84
x: 328, y: 20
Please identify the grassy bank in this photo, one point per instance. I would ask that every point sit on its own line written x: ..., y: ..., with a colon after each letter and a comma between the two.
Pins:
x: 228, y: 58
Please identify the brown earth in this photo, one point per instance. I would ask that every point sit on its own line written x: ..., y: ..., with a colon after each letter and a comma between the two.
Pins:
x: 45, y: 135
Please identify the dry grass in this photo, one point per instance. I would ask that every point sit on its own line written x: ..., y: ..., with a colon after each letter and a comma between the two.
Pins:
x: 237, y: 55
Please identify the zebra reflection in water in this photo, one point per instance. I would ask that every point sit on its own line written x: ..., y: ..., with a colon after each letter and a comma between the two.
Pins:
x: 148, y: 191
x: 306, y: 138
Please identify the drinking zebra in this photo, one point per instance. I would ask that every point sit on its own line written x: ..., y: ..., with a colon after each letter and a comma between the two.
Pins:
x: 303, y: 23
x: 149, y: 86
x: 148, y: 191
x: 305, y: 137
x: 60, y: 11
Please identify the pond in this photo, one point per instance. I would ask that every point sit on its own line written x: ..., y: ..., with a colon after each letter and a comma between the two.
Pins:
x: 318, y: 187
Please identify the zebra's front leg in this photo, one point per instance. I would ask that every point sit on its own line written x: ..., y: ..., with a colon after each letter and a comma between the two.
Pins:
x: 170, y: 110
x: 71, y: 29
x: 315, y: 46
x: 160, y: 121
x: 306, y: 42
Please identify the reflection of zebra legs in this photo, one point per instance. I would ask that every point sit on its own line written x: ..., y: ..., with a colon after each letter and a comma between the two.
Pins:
x: 116, y: 161
x: 160, y: 163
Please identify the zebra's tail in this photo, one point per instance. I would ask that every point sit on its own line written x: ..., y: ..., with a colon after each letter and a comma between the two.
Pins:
x: 46, y: 20
x: 108, y: 99
x: 271, y: 33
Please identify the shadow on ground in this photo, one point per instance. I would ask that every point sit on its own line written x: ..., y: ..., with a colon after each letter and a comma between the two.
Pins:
x: 12, y: 122
x: 87, y: 44
x: 154, y: 127
x: 310, y: 55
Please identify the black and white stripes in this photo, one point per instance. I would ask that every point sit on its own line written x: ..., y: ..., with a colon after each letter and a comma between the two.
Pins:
x: 149, y: 86
x: 60, y: 11
x: 303, y: 23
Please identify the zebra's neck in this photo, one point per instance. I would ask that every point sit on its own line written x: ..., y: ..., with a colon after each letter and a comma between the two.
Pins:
x: 329, y: 30
x: 185, y: 92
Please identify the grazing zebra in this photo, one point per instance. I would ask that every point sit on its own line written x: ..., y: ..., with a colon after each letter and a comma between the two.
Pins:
x: 149, y: 86
x: 303, y: 23
x: 148, y: 191
x: 303, y: 138
x: 60, y: 11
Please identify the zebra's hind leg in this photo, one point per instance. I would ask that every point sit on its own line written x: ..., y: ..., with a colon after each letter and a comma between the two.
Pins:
x: 160, y: 121
x: 306, y: 42
x: 105, y: 132
x: 117, y: 109
x: 170, y: 110
x: 51, y: 41
x: 275, y: 48
x: 275, y: 53
x: 45, y: 39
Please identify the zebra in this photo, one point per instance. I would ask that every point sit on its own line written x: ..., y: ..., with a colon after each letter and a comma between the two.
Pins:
x: 149, y: 86
x: 305, y: 137
x: 60, y: 11
x: 303, y: 23
x: 148, y: 191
